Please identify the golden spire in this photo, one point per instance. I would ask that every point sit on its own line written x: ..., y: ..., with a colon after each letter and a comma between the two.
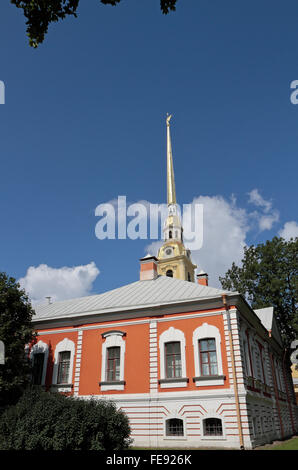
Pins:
x: 173, y: 258
x: 171, y: 192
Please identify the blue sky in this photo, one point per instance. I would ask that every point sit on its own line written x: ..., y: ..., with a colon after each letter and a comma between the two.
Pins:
x: 84, y: 122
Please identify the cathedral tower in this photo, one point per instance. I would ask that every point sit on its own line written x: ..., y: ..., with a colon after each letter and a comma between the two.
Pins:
x: 173, y: 258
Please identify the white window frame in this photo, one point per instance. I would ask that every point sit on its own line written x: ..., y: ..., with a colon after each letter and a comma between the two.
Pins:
x: 64, y: 345
x: 43, y: 348
x: 207, y: 331
x: 169, y: 336
x: 112, y: 339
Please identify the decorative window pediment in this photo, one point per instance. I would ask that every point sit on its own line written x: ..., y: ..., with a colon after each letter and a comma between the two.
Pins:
x: 207, y: 356
x: 113, y: 357
x: 172, y: 359
x: 63, y: 366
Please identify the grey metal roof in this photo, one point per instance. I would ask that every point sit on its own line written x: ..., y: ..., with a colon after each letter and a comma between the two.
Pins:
x: 160, y: 291
x: 266, y: 316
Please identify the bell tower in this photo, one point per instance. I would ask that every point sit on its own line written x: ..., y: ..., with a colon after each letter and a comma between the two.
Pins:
x: 173, y: 258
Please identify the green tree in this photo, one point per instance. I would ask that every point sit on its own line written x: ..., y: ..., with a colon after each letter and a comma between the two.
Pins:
x: 16, y: 331
x: 51, y: 421
x: 268, y: 277
x: 40, y: 13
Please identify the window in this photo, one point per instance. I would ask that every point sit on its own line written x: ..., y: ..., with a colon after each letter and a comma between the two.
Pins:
x: 113, y: 364
x: 173, y: 360
x: 113, y: 360
x: 207, y: 356
x: 38, y: 362
x: 63, y: 367
x: 208, y: 360
x: 212, y: 427
x: 254, y: 426
x: 174, y: 427
x: 170, y: 234
x: 169, y: 273
x: 246, y: 358
x: 39, y: 358
x: 188, y: 277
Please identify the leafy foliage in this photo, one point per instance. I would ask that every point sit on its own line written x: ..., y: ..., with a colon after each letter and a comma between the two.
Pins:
x: 51, y: 421
x: 40, y: 13
x: 15, y: 331
x: 268, y: 277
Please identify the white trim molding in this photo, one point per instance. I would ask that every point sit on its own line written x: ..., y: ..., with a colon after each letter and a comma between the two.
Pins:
x: 64, y: 345
x: 172, y: 335
x: 202, y: 332
x: 112, y: 338
x: 43, y: 348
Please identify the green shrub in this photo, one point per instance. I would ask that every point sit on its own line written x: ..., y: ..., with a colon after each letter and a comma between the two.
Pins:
x: 50, y: 421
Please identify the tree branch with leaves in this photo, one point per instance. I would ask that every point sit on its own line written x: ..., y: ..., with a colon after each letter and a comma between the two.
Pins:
x: 41, y: 13
x: 268, y: 276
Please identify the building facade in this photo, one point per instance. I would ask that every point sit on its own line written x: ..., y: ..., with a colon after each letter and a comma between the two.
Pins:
x: 190, y: 365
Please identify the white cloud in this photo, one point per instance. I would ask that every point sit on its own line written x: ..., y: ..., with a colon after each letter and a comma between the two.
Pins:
x: 257, y: 199
x: 58, y: 283
x: 266, y: 221
x: 289, y: 230
x: 268, y: 216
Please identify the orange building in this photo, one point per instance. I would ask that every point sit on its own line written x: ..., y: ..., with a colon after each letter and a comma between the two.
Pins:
x: 190, y: 365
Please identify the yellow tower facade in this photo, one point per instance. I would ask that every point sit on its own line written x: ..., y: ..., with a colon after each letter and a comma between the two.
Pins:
x: 173, y: 258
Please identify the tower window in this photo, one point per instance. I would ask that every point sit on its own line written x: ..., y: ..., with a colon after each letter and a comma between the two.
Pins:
x: 169, y: 273
x: 170, y: 234
x: 188, y: 277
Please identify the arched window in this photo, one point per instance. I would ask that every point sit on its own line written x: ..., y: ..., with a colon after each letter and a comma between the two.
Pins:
x: 174, y: 427
x: 212, y: 427
x: 170, y: 234
x: 169, y: 273
x: 39, y: 357
x: 207, y: 356
x: 63, y: 365
x: 188, y: 277
x: 113, y: 355
x: 172, y: 359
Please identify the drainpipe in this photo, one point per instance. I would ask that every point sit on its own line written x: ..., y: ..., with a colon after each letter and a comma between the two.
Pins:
x: 224, y: 299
